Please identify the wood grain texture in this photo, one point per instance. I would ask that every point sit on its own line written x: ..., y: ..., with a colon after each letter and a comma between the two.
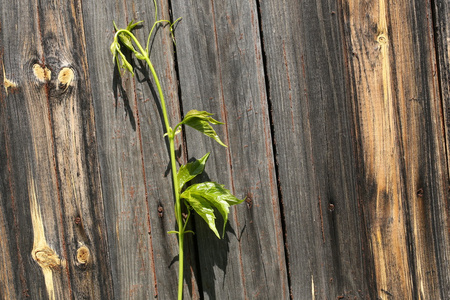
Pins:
x: 441, y: 211
x: 220, y: 66
x: 49, y: 138
x: 133, y: 154
x: 305, y: 65
x: 337, y: 121
x: 403, y: 176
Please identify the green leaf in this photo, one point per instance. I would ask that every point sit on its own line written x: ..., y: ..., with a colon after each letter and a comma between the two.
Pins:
x: 125, y: 38
x: 200, y: 120
x: 203, y: 209
x: 189, y: 171
x: 131, y: 25
x: 125, y: 64
x: 215, y: 195
x: 113, y: 48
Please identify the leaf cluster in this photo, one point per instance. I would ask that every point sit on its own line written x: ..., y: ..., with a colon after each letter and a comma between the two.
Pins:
x: 203, y: 197
x: 124, y: 37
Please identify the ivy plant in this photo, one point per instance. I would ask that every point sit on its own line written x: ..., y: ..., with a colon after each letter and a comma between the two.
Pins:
x: 203, y: 198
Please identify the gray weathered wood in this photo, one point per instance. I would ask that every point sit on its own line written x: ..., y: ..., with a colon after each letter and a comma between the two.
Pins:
x: 58, y: 236
x: 337, y: 121
x: 313, y: 134
x: 134, y: 156
x: 221, y: 71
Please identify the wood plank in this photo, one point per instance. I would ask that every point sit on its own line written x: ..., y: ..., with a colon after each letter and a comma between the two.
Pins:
x: 28, y: 158
x: 220, y: 66
x: 305, y: 63
x: 54, y: 149
x: 403, y: 176
x: 441, y: 213
x: 120, y: 159
x: 133, y: 155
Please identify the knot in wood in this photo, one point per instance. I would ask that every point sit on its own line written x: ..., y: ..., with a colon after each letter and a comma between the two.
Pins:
x: 43, y: 74
x: 46, y: 258
x: 65, y: 77
x: 382, y: 39
x: 83, y: 255
x: 9, y: 84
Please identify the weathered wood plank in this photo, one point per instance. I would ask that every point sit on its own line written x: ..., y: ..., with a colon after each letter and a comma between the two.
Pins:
x: 28, y: 157
x: 50, y: 140
x: 8, y: 287
x: 441, y: 211
x: 134, y: 157
x: 220, y: 66
x: 120, y: 159
x: 360, y: 105
x: 306, y: 72
x: 403, y: 176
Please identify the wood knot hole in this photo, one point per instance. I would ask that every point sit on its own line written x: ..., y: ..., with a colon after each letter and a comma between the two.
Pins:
x: 65, y: 78
x: 382, y: 39
x: 78, y: 220
x: 46, y: 258
x: 83, y: 255
x: 43, y: 74
x: 420, y: 193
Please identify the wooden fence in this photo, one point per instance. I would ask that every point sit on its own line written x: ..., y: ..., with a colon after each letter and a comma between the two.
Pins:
x: 337, y: 120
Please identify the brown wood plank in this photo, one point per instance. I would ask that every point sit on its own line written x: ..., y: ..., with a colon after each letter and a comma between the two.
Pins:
x: 28, y: 162
x: 49, y: 139
x: 441, y: 211
x: 133, y: 155
x: 305, y: 63
x: 220, y: 66
x: 403, y: 176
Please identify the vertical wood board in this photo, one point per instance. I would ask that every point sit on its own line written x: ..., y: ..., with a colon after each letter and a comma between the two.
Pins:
x: 313, y: 140
x: 220, y: 64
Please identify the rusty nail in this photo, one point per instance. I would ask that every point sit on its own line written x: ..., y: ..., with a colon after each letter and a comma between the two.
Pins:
x: 249, y: 201
x: 331, y: 207
x: 160, y: 211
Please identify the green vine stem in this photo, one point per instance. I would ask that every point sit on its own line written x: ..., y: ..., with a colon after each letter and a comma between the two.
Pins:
x: 205, y: 198
x: 171, y: 136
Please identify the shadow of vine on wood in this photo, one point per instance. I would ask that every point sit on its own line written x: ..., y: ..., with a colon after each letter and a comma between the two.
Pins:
x: 120, y: 92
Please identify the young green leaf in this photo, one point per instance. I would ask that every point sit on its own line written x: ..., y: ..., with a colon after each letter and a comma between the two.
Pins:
x: 200, y: 120
x: 203, y: 208
x: 189, y: 171
x: 215, y: 194
x: 125, y: 64
x: 131, y: 25
x: 126, y: 39
x: 113, y: 48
